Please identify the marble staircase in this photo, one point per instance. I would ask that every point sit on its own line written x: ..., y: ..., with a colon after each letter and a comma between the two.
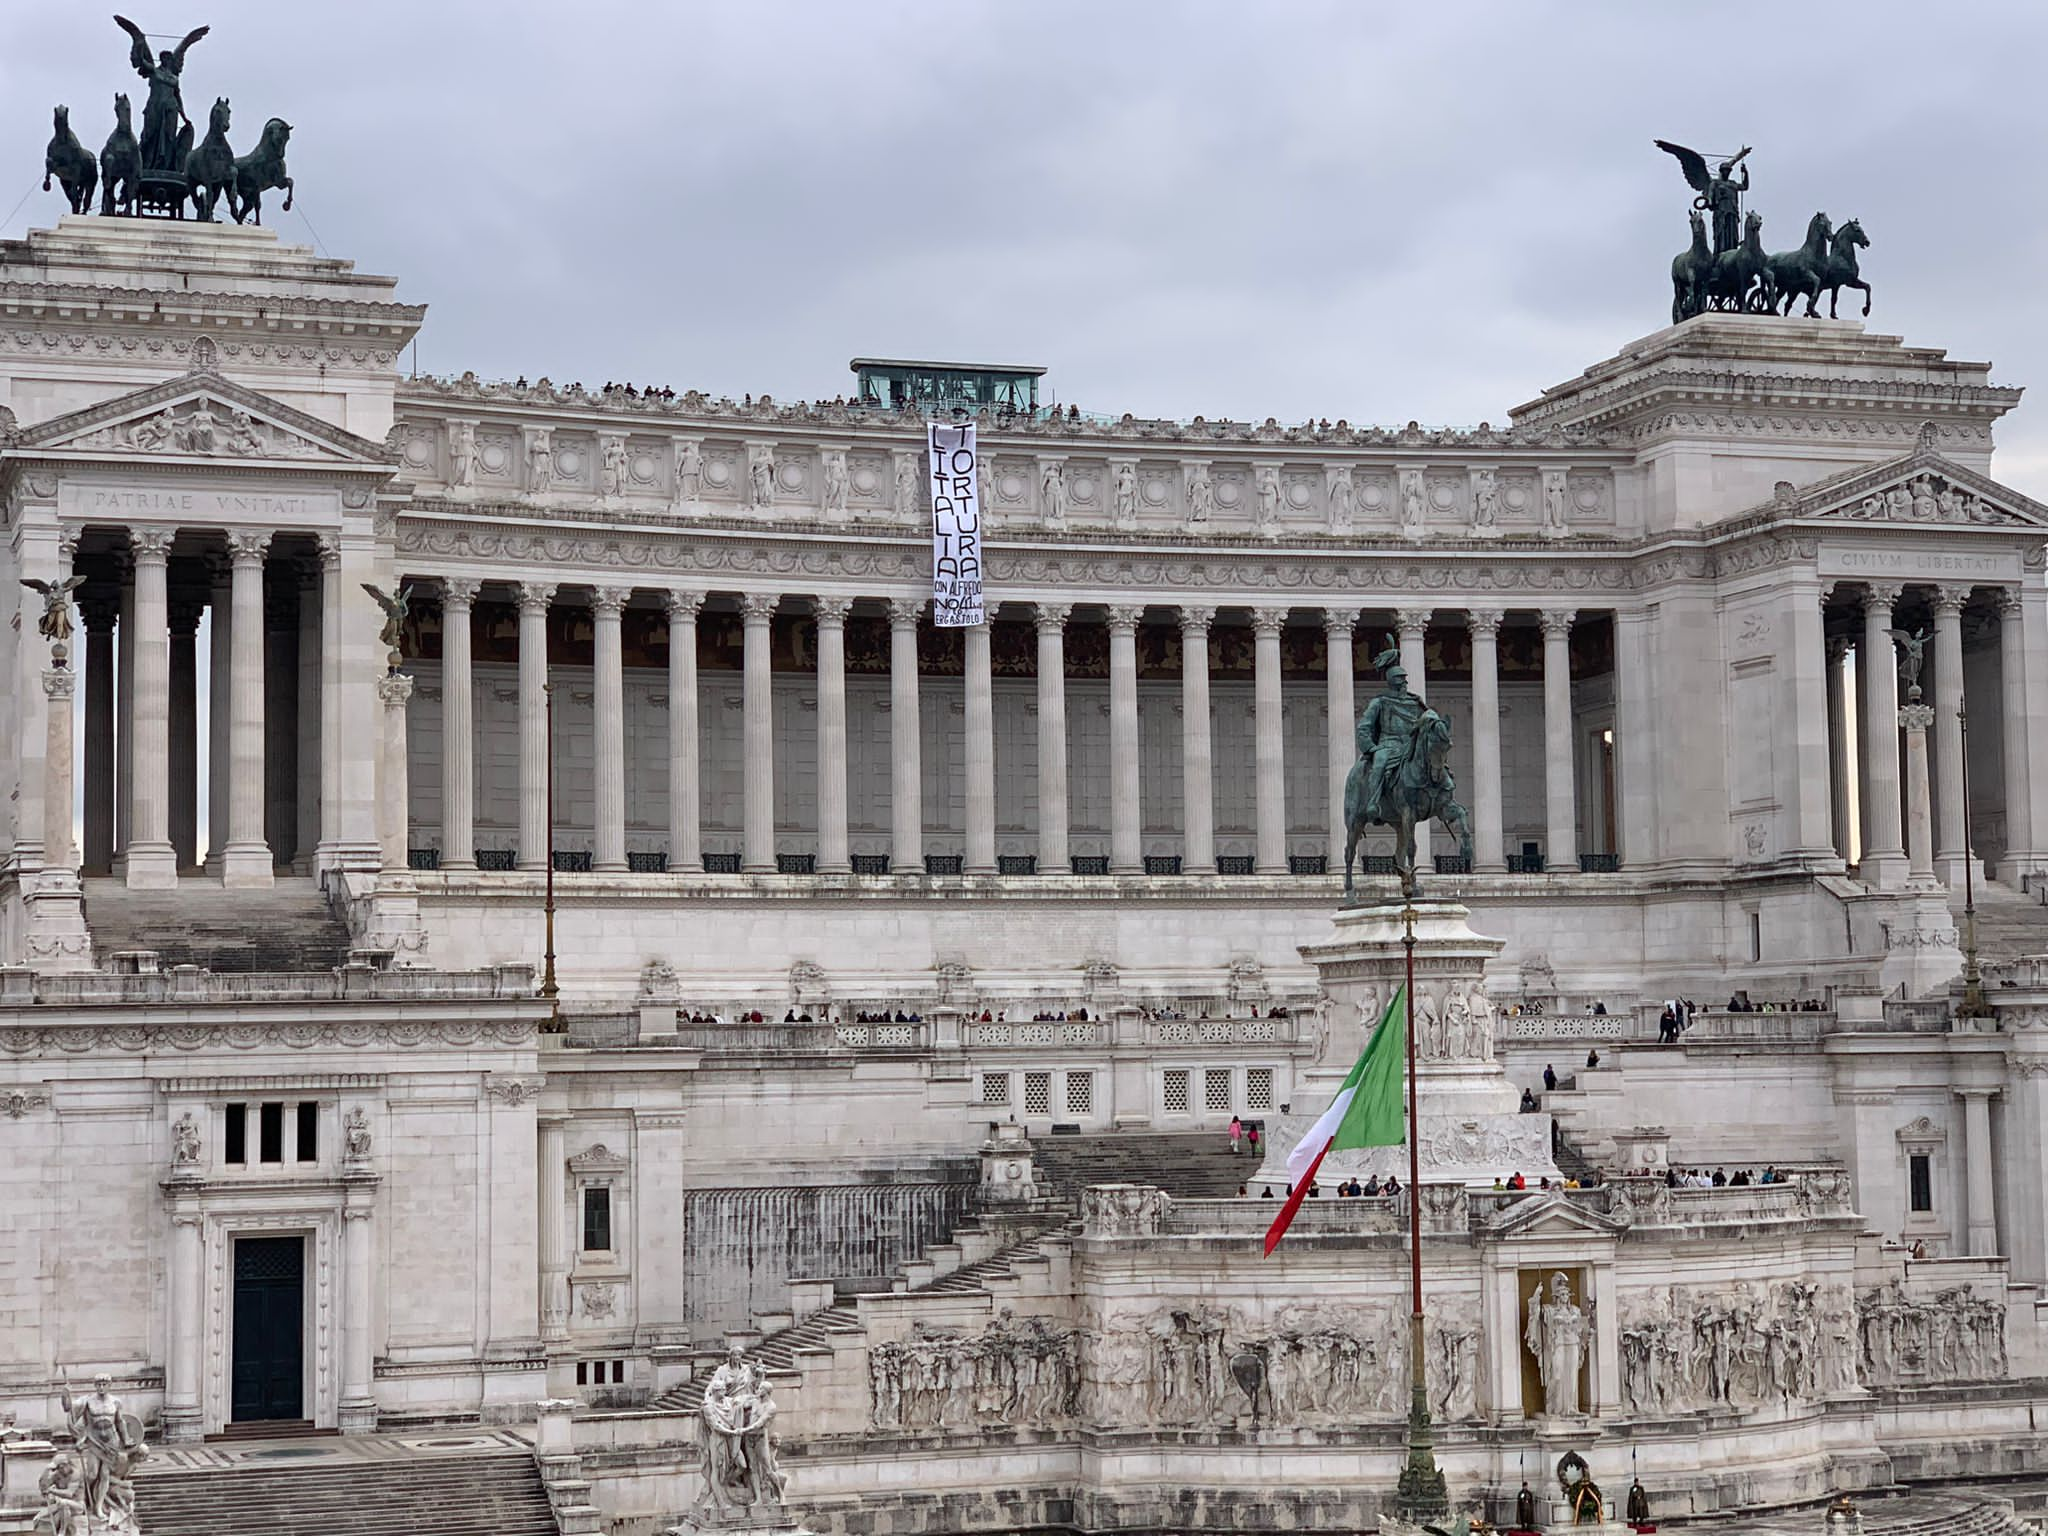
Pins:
x: 963, y: 1266
x: 2008, y: 924
x: 493, y: 1492
x: 1190, y: 1165
x: 287, y: 928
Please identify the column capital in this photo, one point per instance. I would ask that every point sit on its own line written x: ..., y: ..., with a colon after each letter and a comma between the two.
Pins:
x: 1484, y: 622
x: 1950, y: 600
x: 759, y: 607
x: 1269, y: 621
x: 151, y: 546
x: 535, y: 596
x: 609, y: 602
x: 1340, y: 621
x: 831, y: 611
x: 1838, y: 648
x: 1557, y: 622
x: 1195, y: 620
x: 1881, y: 594
x: 97, y: 612
x: 1125, y: 617
x: 67, y: 543
x: 246, y: 546
x: 2008, y: 603
x: 59, y: 683
x: 459, y: 591
x: 394, y: 688
x: 1412, y: 621
x: 682, y: 607
x: 184, y: 616
x: 1052, y: 616
x: 904, y: 612
x: 1916, y: 717
x: 330, y: 551
x: 1975, y: 1091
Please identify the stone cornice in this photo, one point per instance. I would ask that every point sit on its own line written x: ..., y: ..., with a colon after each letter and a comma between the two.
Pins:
x: 158, y: 307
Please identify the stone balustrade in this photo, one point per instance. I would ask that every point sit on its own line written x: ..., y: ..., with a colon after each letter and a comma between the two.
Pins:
x: 21, y: 988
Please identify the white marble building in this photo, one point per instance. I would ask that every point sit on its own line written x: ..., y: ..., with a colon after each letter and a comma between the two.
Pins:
x: 1655, y: 607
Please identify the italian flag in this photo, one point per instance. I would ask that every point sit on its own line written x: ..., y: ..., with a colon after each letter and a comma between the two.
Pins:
x: 1367, y: 1111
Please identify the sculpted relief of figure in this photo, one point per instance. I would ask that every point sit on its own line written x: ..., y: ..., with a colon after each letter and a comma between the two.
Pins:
x: 1343, y: 500
x: 1684, y: 1350
x: 1201, y: 497
x: 1485, y: 500
x: 1414, y: 509
x: 1015, y: 1372
x: 1919, y: 1339
x: 1126, y: 496
x: 1556, y: 522
x: 689, y: 470
x: 906, y: 486
x: 1558, y: 1331
x: 1052, y: 494
x: 836, y: 485
x: 1269, y: 500
x: 540, y: 464
x: 612, y: 467
x: 761, y: 475
x: 461, y: 454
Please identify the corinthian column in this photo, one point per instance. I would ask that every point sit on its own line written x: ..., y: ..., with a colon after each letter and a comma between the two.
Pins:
x: 685, y: 828
x: 757, y: 714
x: 534, y: 598
x: 2015, y: 728
x: 1487, y: 850
x: 981, y: 753
x: 1126, y: 847
x: 60, y: 858
x: 1949, y: 841
x: 1560, y: 796
x: 151, y: 862
x: 1053, y: 858
x: 358, y: 1407
x: 1197, y: 745
x: 831, y: 615
x: 1269, y: 742
x: 185, y: 733
x: 1840, y: 748
x: 906, y: 776
x: 608, y: 691
x: 458, y: 772
x: 1884, y: 858
x: 1342, y: 707
x: 99, y: 735
x: 1411, y: 624
x: 394, y: 785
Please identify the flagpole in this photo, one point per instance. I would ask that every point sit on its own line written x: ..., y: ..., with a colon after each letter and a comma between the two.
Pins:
x: 1420, y: 1494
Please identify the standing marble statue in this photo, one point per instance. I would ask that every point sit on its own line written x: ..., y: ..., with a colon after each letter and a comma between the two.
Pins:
x: 1558, y: 1332
x: 738, y: 1459
x: 689, y: 470
x: 1126, y: 496
x: 109, y: 1441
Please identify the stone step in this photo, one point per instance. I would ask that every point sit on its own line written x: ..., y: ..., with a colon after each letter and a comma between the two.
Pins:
x: 488, y: 1494
x: 1191, y: 1164
x: 288, y: 928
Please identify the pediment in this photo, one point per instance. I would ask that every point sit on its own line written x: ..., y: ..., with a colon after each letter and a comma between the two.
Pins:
x: 199, y: 416
x: 1553, y: 1214
x: 1921, y: 489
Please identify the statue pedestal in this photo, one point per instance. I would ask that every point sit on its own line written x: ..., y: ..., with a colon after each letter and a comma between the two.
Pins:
x: 1471, y: 1130
x: 764, y: 1520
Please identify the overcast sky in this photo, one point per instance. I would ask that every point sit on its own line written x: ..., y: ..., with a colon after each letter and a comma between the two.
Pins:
x: 1349, y: 210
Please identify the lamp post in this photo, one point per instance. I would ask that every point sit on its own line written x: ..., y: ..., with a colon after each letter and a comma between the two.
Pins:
x: 1420, y: 1494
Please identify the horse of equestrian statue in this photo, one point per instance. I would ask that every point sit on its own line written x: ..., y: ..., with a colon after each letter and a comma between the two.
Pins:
x: 261, y: 168
x: 120, y: 163
x: 71, y: 163
x: 1689, y: 269
x: 210, y: 168
x: 1791, y: 275
x: 1840, y: 271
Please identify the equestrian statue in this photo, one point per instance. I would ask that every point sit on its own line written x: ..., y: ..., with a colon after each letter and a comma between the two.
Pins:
x: 1732, y: 272
x: 1402, y: 777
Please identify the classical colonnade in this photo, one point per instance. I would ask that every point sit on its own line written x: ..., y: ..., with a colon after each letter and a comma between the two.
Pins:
x: 609, y: 853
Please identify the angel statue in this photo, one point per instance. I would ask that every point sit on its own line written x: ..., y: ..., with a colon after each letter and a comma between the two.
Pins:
x: 166, y: 130
x: 55, y: 624
x: 1912, y: 652
x: 1719, y: 194
x: 392, y: 635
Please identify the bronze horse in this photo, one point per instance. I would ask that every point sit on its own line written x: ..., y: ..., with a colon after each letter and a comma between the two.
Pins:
x: 261, y: 168
x: 1791, y: 274
x: 120, y: 163
x: 71, y: 163
x: 1421, y: 790
x: 1840, y: 271
x: 1689, y: 269
x: 210, y: 168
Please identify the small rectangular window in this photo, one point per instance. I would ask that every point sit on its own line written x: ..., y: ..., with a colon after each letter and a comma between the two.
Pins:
x: 270, y: 1133
x: 309, y: 1132
x: 1216, y: 1090
x: 618, y: 1373
x: 597, y: 1220
x: 1258, y: 1089
x: 1756, y: 935
x: 1037, y: 1093
x: 995, y: 1087
x: 583, y: 1373
x: 1173, y: 1092
x: 234, y: 1134
x: 1080, y: 1093
x: 1920, y: 1168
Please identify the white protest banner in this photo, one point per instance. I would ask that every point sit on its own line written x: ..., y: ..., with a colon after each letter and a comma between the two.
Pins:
x: 956, y: 527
